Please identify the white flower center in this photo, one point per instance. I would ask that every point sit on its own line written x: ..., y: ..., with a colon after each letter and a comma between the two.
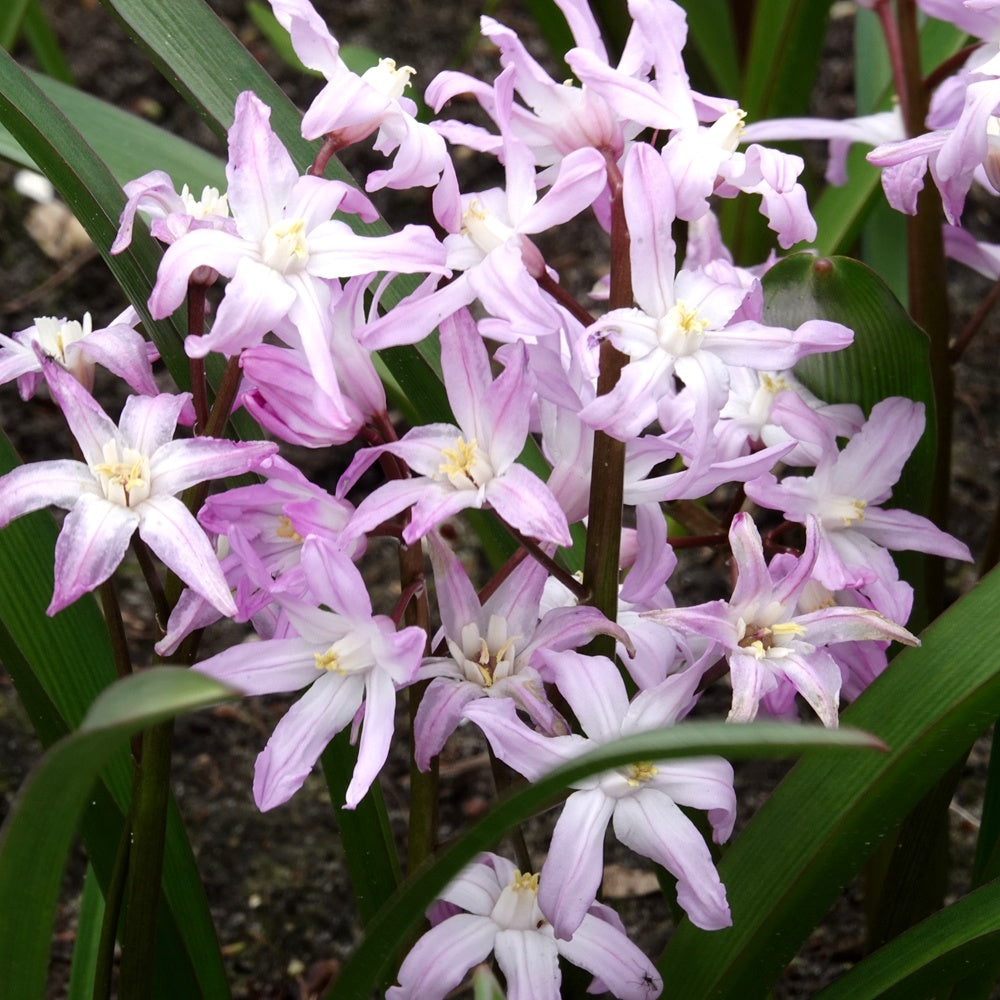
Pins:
x: 769, y: 641
x: 486, y: 660
x: 484, y: 228
x: 840, y: 511
x: 346, y: 656
x: 517, y: 907
x: 284, y: 246
x: 466, y: 466
x: 681, y: 331
x: 389, y: 79
x: 727, y: 131
x: 991, y: 164
x: 54, y: 335
x: 124, y: 478
x: 210, y: 203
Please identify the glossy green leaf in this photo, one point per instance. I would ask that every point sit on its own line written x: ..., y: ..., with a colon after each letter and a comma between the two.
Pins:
x: 44, y: 45
x: 830, y: 813
x: 784, y: 57
x: 712, y: 38
x: 11, y: 18
x: 889, y: 356
x: 36, y: 836
x: 130, y: 146
x: 391, y: 928
x: 927, y: 959
x: 365, y: 834
x: 88, y: 936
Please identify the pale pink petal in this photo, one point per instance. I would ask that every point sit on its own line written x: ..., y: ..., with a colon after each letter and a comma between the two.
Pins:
x: 652, y: 825
x: 186, y: 461
x: 442, y: 957
x: 376, y: 735
x: 274, y: 666
x: 148, y: 422
x: 302, y: 735
x: 571, y: 874
x: 42, y: 484
x: 89, y: 548
x: 171, y: 531
x: 201, y: 247
x: 528, y: 505
x: 530, y: 964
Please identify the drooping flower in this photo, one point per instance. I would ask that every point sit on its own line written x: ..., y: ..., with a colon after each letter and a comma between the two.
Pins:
x: 128, y: 481
x: 346, y: 656
x: 78, y: 347
x: 764, y: 637
x: 491, y: 907
x: 492, y: 647
x: 642, y: 801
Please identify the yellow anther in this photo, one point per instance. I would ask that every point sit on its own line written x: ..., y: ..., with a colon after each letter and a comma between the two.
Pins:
x: 330, y: 660
x: 285, y: 529
x: 641, y: 772
x: 460, y: 459
x: 527, y: 881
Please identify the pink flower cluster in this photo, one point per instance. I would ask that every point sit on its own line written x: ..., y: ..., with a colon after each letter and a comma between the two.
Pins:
x: 706, y: 398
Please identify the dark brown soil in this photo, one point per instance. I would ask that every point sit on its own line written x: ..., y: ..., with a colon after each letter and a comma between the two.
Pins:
x: 276, y: 882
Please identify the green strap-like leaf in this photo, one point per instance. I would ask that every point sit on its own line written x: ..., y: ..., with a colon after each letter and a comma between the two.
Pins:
x: 928, y: 958
x: 37, y: 834
x: 392, y: 926
x: 130, y: 146
x: 828, y: 816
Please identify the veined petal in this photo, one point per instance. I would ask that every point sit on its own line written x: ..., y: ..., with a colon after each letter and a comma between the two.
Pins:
x: 215, y: 248
x: 582, y: 177
x: 41, y: 484
x: 530, y: 964
x: 435, y: 506
x: 256, y: 301
x: 90, y: 425
x: 607, y: 953
x: 376, y: 735
x: 816, y: 677
x: 148, y: 422
x: 902, y: 529
x: 302, y: 735
x: 652, y: 825
x: 527, y: 504
x: 442, y: 957
x: 261, y: 174
x: 336, y: 251
x: 467, y: 375
x: 648, y: 197
x: 441, y: 710
x: 171, y: 531
x: 593, y: 687
x: 572, y: 871
x: 186, y: 461
x: 271, y: 666
x: 90, y: 546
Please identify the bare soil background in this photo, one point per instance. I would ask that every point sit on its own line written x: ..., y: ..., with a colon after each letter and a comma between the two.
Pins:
x: 276, y: 882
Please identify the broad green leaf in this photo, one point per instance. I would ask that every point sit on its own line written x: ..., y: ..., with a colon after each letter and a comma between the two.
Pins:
x: 391, y: 928
x: 365, y: 833
x: 130, y: 146
x: 783, y: 57
x: 88, y: 936
x: 712, y: 38
x: 43, y: 42
x: 889, y: 356
x: 830, y: 813
x: 11, y: 18
x: 927, y: 959
x: 36, y: 836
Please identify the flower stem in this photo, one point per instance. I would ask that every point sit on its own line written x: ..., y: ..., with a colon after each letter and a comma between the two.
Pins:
x: 142, y: 892
x: 607, y: 477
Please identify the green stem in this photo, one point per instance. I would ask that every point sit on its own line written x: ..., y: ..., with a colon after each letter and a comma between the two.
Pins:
x: 112, y: 910
x: 607, y: 476
x: 928, y: 291
x: 142, y: 893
